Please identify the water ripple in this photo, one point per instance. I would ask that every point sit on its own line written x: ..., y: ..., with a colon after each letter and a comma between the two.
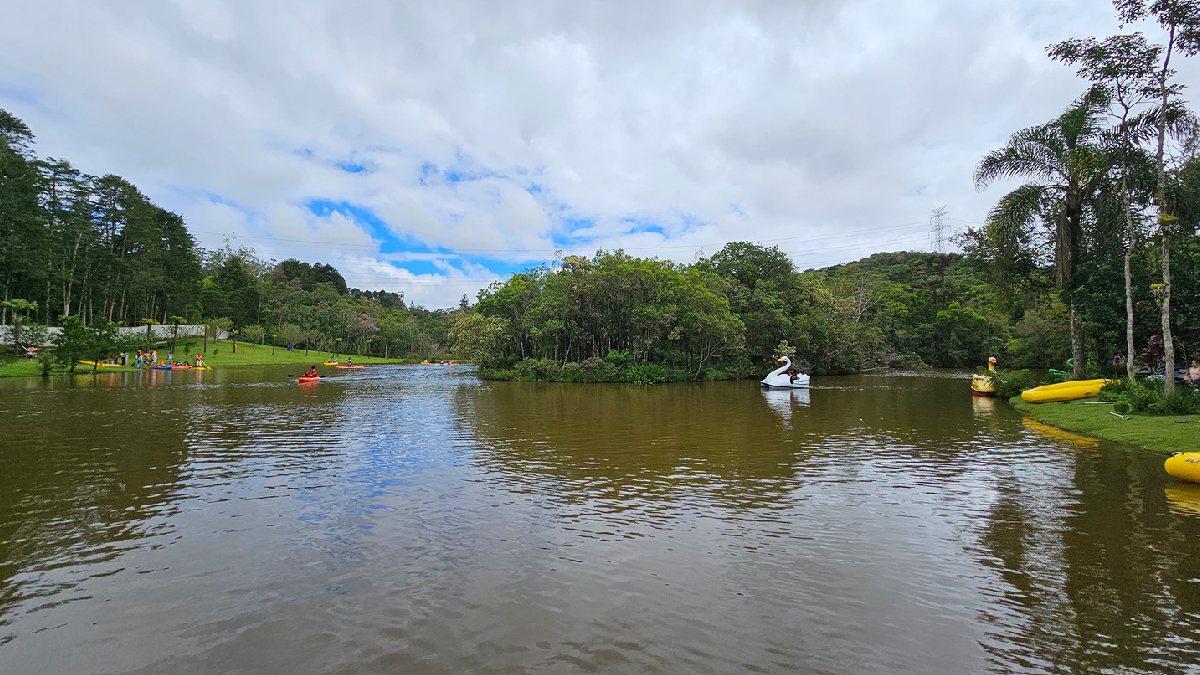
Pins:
x: 414, y: 518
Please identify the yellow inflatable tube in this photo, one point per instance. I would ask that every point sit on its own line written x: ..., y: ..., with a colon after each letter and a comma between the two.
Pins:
x: 1063, y: 391
x: 1184, y: 466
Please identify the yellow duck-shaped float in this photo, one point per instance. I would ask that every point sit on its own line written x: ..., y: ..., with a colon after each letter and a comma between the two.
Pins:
x: 983, y: 385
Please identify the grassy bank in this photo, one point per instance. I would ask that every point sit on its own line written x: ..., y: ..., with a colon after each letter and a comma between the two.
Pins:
x: 1158, y: 433
x: 220, y: 355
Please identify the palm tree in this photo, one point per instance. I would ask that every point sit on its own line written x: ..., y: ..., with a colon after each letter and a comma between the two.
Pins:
x: 1066, y: 164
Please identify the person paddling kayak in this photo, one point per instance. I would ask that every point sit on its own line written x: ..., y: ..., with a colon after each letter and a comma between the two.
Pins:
x: 311, y: 372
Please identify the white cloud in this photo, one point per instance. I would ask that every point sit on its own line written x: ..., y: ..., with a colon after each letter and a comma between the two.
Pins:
x: 818, y: 123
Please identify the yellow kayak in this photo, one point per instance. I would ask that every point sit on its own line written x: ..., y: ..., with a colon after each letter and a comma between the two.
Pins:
x: 1184, y: 466
x: 1063, y: 391
x: 102, y: 364
x: 329, y: 363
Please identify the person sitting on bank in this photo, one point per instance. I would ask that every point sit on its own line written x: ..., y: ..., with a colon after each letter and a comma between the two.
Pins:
x: 1153, y: 353
x: 1192, y: 376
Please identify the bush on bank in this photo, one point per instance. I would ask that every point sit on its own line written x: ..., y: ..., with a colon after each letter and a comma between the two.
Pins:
x: 1146, y: 397
x: 613, y: 368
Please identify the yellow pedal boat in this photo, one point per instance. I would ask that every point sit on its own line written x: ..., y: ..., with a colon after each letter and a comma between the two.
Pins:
x: 1063, y: 391
x: 984, y: 385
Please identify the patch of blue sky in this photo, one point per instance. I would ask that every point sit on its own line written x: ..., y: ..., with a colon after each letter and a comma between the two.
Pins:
x: 425, y: 256
x: 14, y: 96
x: 194, y: 195
x: 639, y: 225
x: 462, y: 170
x: 351, y: 167
x: 18, y: 94
x: 365, y: 217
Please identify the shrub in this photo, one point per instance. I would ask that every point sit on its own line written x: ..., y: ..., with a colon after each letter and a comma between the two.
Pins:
x: 1184, y: 401
x: 595, y: 369
x: 1146, y: 396
x: 498, y: 373
x: 1011, y: 383
x: 908, y: 361
x: 1142, y: 395
x: 538, y: 369
x: 618, y: 357
x: 646, y: 373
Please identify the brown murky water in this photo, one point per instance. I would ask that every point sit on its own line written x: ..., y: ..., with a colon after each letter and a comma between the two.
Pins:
x: 408, y: 519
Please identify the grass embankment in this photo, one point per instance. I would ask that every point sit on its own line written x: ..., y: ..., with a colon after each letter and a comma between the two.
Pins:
x: 220, y: 355
x: 1152, y: 432
x: 15, y: 366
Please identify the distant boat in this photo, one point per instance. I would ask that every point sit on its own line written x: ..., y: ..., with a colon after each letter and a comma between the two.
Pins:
x: 779, y: 378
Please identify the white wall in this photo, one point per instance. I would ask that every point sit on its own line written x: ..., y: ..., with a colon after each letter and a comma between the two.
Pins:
x: 160, y: 332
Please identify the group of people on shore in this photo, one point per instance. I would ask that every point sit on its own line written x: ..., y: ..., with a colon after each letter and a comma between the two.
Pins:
x: 149, y: 359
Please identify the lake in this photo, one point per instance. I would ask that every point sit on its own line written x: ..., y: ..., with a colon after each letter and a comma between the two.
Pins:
x: 416, y: 519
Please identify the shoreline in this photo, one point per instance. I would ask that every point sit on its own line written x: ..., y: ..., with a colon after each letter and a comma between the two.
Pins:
x: 1164, y: 434
x: 220, y: 355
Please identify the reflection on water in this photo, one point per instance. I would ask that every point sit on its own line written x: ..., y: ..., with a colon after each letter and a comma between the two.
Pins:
x: 983, y: 406
x: 1061, y: 435
x: 403, y: 519
x: 784, y: 401
x: 1183, y: 498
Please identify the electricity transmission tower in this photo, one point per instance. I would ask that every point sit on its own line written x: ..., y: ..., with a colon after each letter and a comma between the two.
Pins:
x: 937, y: 229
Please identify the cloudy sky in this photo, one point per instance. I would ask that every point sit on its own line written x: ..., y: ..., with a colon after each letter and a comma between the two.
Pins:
x: 431, y: 147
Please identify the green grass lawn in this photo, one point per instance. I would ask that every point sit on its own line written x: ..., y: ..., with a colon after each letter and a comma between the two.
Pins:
x: 220, y: 355
x: 16, y: 366
x: 1158, y: 433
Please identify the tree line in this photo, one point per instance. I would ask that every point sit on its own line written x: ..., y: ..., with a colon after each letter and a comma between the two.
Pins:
x: 96, y: 251
x: 1111, y: 200
x: 616, y: 317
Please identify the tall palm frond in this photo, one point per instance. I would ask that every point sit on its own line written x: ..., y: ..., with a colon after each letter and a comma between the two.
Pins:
x: 1034, y: 152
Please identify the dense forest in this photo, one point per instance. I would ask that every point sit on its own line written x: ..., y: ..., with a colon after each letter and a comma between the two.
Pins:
x: 1092, y: 255
x: 97, y: 250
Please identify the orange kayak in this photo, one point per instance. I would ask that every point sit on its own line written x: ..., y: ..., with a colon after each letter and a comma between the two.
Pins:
x: 304, y: 380
x: 349, y: 367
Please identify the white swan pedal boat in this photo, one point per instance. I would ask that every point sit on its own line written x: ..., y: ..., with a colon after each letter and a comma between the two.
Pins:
x: 779, y: 379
